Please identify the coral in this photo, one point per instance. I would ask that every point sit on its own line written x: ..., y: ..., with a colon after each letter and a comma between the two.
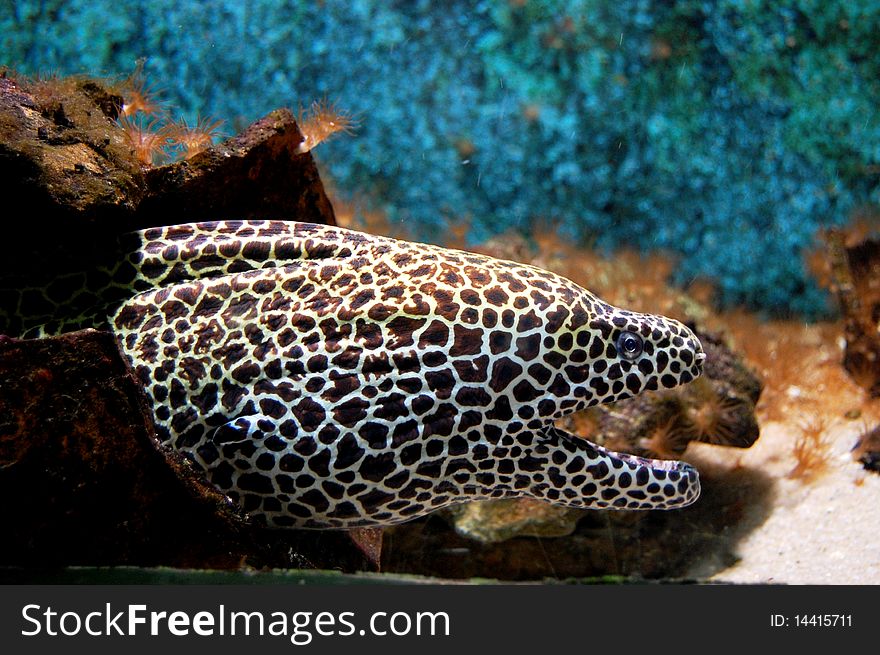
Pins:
x: 149, y: 140
x: 139, y: 96
x: 783, y: 354
x: 196, y: 138
x: 715, y: 415
x: 668, y: 437
x: 811, y: 448
x: 321, y: 121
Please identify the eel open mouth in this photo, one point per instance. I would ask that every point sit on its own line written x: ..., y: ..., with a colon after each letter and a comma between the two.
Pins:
x: 625, y: 481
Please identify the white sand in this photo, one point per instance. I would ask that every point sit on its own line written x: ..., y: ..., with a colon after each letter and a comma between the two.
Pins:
x: 820, y: 531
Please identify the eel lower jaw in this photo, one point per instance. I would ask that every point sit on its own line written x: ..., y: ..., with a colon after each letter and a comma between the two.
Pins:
x: 666, y: 484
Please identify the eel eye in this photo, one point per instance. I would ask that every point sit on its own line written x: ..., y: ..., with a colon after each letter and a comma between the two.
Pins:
x: 629, y: 345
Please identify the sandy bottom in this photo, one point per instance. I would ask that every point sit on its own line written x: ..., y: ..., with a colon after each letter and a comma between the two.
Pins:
x: 819, y: 530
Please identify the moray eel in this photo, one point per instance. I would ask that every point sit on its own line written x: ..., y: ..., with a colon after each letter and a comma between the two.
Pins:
x: 326, y: 378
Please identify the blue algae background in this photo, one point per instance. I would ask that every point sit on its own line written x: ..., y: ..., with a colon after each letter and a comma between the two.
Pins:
x: 726, y: 132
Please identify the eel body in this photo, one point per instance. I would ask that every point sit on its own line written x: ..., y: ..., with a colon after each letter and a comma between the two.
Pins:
x: 326, y: 378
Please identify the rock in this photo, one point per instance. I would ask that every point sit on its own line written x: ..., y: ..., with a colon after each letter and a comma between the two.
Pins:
x: 867, y: 450
x: 256, y: 175
x: 63, y: 157
x: 496, y: 521
x: 77, y: 450
x: 86, y: 483
x: 369, y: 542
x: 856, y: 270
x: 67, y: 163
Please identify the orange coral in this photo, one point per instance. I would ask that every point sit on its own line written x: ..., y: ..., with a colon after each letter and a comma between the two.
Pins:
x: 811, y: 449
x: 715, y: 417
x: 137, y: 95
x: 148, y: 141
x: 196, y: 138
x: 322, y: 121
x: 669, y: 438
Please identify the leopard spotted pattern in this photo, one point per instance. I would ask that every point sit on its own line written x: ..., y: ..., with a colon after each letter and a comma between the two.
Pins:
x: 325, y: 378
